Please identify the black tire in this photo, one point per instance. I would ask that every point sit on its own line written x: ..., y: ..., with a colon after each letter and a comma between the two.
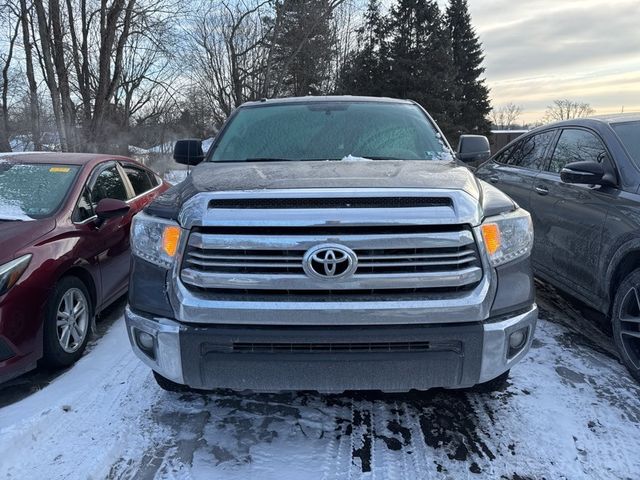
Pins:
x: 497, y: 384
x: 625, y: 322
x: 169, y: 385
x: 55, y: 355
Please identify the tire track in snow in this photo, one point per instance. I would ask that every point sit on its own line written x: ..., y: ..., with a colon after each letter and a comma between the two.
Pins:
x: 338, y: 452
x: 386, y: 446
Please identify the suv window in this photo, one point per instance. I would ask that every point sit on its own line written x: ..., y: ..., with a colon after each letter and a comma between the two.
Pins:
x: 530, y: 153
x: 109, y: 184
x: 576, y: 146
x: 139, y: 178
x: 503, y: 157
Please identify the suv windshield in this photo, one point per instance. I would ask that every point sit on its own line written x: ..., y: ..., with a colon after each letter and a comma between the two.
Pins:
x: 29, y: 191
x: 629, y: 133
x: 330, y: 131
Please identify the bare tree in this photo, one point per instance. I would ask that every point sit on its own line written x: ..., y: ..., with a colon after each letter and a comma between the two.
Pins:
x: 506, y: 116
x: 9, y: 12
x: 227, y: 52
x: 101, y: 62
x: 566, y: 110
x: 34, y: 115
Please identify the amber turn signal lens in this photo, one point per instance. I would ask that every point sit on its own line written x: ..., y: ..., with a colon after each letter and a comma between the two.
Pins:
x: 170, y: 239
x: 491, y: 235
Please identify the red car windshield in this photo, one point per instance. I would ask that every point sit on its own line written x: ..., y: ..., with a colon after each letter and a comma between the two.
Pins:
x: 30, y: 191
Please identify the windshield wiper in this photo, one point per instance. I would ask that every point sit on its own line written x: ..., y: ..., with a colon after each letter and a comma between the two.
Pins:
x: 267, y: 159
x: 368, y: 157
x: 275, y: 159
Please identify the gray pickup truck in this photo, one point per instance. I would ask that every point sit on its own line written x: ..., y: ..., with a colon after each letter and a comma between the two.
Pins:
x: 331, y: 244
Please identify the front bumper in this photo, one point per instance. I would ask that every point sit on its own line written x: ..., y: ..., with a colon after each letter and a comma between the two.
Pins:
x: 331, y: 359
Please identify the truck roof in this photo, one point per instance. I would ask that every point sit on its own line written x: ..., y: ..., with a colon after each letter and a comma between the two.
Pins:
x: 324, y: 99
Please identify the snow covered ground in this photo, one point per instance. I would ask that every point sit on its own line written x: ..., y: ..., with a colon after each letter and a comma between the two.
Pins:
x: 570, y: 412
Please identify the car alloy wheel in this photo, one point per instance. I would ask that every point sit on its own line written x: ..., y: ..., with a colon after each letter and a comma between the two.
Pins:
x: 72, y: 320
x: 626, y: 322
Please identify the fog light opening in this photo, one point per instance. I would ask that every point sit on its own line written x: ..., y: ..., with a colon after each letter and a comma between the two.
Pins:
x: 517, y: 341
x: 146, y: 342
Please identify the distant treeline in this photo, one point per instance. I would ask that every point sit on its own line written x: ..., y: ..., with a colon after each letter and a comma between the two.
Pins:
x: 100, y: 76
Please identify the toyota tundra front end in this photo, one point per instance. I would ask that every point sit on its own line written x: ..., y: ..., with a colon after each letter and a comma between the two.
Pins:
x: 273, y: 267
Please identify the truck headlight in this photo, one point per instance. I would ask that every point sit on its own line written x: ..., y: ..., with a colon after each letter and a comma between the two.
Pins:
x: 155, y: 240
x: 507, y: 236
x: 11, y: 272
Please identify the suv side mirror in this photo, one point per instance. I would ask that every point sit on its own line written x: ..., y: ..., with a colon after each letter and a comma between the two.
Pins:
x: 473, y: 149
x: 188, y: 152
x: 590, y: 173
x: 110, y: 208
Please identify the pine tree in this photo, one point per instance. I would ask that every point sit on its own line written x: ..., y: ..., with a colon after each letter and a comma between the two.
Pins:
x: 472, y: 96
x: 367, y: 70
x: 421, y: 58
x: 303, y: 46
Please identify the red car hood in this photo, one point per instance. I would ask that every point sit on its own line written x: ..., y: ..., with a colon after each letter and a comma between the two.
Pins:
x: 15, y: 235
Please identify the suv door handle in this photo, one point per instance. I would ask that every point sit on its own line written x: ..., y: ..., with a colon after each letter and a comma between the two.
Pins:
x: 542, y: 190
x: 494, y: 179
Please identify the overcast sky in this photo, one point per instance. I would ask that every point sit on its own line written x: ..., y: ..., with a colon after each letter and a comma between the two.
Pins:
x: 540, y: 50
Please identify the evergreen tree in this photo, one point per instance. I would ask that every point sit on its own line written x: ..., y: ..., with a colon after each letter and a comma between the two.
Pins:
x: 367, y: 70
x: 421, y: 58
x: 472, y: 95
x: 303, y: 46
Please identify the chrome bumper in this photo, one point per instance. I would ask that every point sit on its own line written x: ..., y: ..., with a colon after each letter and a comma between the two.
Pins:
x: 489, y: 348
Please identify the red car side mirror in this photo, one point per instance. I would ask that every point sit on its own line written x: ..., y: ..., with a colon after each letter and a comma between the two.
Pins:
x: 111, y: 208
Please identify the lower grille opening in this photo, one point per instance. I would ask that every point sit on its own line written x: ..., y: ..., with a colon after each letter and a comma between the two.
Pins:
x: 344, y: 347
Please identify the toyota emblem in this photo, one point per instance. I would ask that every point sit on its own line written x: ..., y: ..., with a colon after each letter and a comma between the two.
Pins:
x: 329, y: 261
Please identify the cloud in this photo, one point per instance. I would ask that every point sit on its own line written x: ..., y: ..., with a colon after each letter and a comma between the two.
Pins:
x: 539, y: 50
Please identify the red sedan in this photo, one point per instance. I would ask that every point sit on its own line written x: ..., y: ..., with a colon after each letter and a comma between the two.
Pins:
x: 64, y: 249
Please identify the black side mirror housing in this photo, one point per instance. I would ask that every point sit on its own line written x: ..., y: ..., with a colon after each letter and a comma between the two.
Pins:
x: 188, y: 152
x: 473, y: 149
x: 589, y: 173
x: 111, y: 208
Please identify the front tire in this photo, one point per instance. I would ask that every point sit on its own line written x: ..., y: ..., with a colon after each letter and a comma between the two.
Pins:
x: 625, y: 322
x: 67, y: 323
x: 169, y: 385
x: 497, y: 384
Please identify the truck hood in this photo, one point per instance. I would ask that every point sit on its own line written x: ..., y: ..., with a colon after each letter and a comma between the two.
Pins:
x: 383, y: 174
x: 16, y: 235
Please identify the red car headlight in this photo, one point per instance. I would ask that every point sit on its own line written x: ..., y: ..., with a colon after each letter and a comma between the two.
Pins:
x: 11, y: 272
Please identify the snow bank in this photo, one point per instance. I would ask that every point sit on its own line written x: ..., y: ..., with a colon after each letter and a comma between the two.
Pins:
x: 13, y: 211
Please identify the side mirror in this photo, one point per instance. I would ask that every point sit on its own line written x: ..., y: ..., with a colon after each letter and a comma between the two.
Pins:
x: 473, y: 149
x: 590, y: 173
x: 110, y: 208
x: 188, y: 152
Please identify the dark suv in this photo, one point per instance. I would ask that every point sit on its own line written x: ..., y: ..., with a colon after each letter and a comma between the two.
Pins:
x: 580, y: 181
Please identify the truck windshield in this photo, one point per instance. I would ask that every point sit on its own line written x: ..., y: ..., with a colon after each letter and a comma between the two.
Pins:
x: 629, y: 133
x: 30, y: 191
x: 330, y: 131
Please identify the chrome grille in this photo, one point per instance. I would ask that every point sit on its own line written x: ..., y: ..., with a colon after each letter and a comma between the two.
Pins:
x: 376, y: 261
x: 434, y: 259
